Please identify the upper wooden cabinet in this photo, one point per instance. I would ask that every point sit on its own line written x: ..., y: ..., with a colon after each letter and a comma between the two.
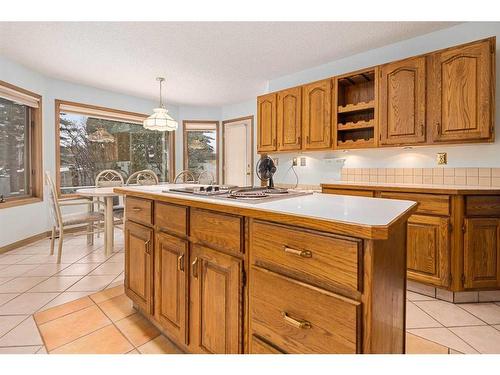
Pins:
x: 402, y: 102
x: 289, y: 119
x: 266, y: 123
x: 461, y: 93
x: 316, y: 115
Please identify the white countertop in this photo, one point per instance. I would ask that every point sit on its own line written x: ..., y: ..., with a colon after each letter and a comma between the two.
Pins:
x: 339, y: 208
x: 463, y: 188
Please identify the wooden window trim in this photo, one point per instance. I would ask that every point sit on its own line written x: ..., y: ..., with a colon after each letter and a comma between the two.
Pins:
x: 36, y: 155
x: 184, y: 142
x: 117, y: 112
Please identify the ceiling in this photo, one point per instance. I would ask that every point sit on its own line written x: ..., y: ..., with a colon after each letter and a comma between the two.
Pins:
x: 206, y: 63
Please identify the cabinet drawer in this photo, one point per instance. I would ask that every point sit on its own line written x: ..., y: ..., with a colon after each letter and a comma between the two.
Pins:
x: 258, y: 346
x: 433, y: 204
x: 140, y: 210
x: 217, y: 230
x: 330, y: 259
x: 171, y: 217
x: 359, y: 193
x: 482, y: 205
x: 300, y: 318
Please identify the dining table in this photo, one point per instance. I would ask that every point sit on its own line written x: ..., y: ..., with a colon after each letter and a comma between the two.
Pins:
x: 107, y: 194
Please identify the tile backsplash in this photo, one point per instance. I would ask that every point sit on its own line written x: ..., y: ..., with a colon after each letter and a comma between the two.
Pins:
x: 432, y: 176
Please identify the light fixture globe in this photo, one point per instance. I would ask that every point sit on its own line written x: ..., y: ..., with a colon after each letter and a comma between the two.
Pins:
x: 160, y: 120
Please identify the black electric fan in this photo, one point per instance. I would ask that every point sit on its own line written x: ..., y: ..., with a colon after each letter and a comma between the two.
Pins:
x: 265, y: 170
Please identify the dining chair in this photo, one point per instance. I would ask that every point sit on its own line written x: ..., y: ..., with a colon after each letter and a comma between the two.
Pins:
x: 184, y: 177
x: 62, y: 222
x: 206, y: 178
x: 111, y: 178
x: 144, y: 177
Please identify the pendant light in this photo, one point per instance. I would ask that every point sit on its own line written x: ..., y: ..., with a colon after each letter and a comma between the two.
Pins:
x: 160, y: 119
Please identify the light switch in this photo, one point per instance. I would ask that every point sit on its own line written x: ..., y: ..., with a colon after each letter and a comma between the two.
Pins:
x: 302, y: 162
x: 442, y: 158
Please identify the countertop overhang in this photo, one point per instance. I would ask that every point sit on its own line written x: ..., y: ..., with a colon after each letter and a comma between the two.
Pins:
x: 370, y: 218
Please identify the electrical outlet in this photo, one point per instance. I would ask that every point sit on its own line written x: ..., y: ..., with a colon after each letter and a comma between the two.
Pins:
x: 276, y: 161
x: 294, y: 162
x: 303, y: 162
x: 442, y: 158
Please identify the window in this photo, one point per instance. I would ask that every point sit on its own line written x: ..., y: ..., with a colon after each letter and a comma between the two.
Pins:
x: 20, y: 146
x: 201, y: 147
x: 92, y: 139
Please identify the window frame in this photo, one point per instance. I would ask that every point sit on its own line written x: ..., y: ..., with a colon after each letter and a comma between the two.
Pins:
x: 184, y: 142
x: 34, y: 148
x: 116, y: 113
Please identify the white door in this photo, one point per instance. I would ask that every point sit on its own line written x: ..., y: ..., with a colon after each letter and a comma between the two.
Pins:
x: 238, y: 163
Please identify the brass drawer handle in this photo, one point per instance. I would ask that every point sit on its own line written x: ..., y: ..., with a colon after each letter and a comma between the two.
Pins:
x: 180, y: 263
x: 302, y: 324
x: 194, y: 267
x: 300, y: 253
x: 136, y: 209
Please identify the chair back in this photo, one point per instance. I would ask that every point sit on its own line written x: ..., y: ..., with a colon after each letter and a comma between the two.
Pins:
x: 51, y: 192
x: 206, y: 178
x: 108, y: 178
x: 144, y: 177
x: 184, y: 177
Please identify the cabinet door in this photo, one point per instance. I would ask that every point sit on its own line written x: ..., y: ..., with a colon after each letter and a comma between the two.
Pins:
x: 461, y: 83
x: 171, y: 285
x: 316, y: 115
x: 428, y: 258
x: 215, y: 302
x: 266, y: 123
x: 482, y: 253
x: 402, y: 102
x: 139, y: 265
x: 289, y: 119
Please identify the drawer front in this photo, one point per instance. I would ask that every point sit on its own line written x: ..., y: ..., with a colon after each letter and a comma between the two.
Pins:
x: 334, y: 260
x: 482, y: 205
x: 217, y: 230
x: 433, y: 204
x: 171, y: 217
x: 140, y: 210
x: 299, y: 318
x: 358, y: 193
x: 258, y: 346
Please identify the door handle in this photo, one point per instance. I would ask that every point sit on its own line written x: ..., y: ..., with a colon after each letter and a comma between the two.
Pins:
x: 297, y: 323
x: 300, y: 253
x: 194, y: 268
x: 180, y: 263
x: 148, y: 247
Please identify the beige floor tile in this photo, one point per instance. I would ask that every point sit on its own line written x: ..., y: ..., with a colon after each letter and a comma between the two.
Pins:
x: 42, y: 350
x: 118, y: 307
x: 32, y: 250
x: 488, y: 312
x: 91, y: 283
x: 12, y: 258
x: 412, y: 296
x: 7, y: 322
x: 56, y: 284
x: 448, y: 314
x: 6, y: 297
x: 109, y: 269
x: 485, y: 339
x: 24, y: 334
x: 418, y: 345
x: 50, y: 259
x: 107, y: 294
x: 133, y: 351
x: 96, y: 257
x: 416, y: 318
x: 137, y: 329
x: 497, y: 326
x: 117, y: 258
x: 443, y: 336
x: 21, y: 284
x: 61, y: 310
x: 107, y: 340
x: 63, y: 298
x: 17, y: 270
x: 79, y: 269
x: 26, y: 303
x: 20, y: 349
x: 159, y: 345
x: 70, y: 327
x: 46, y: 270
x: 4, y: 279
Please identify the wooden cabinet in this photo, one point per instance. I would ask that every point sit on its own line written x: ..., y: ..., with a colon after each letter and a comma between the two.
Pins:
x: 215, y: 293
x: 289, y: 119
x: 460, y: 93
x: 171, y: 285
x: 427, y: 249
x: 482, y: 253
x: 139, y: 265
x: 316, y: 115
x: 266, y: 123
x: 402, y: 102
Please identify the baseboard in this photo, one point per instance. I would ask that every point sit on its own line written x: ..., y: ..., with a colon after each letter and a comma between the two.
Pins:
x: 24, y: 242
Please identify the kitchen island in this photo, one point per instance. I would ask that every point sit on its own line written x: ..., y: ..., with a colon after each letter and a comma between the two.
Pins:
x: 315, y: 273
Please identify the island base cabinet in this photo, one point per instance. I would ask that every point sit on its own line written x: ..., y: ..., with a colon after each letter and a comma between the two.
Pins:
x: 139, y: 265
x: 215, y: 300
